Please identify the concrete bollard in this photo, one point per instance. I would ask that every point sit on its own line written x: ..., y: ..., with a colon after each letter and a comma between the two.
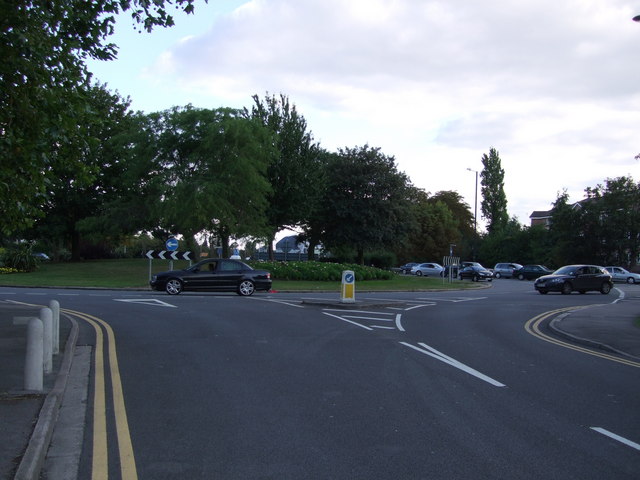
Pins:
x: 46, y: 315
x: 54, y: 305
x: 33, y: 367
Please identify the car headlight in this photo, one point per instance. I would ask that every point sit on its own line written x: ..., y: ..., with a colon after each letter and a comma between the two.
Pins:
x: 556, y: 280
x: 154, y: 278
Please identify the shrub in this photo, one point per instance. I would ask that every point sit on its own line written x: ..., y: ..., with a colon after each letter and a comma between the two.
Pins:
x: 320, y: 271
x: 20, y: 257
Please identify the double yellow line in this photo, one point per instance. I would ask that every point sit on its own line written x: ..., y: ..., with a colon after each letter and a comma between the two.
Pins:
x: 100, y: 465
x: 533, y: 327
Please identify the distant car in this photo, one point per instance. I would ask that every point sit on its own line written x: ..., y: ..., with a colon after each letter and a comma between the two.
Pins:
x: 406, y: 268
x: 450, y: 270
x: 505, y: 269
x: 531, y: 272
x: 41, y: 256
x: 217, y: 274
x: 427, y: 269
x: 619, y: 274
x: 476, y: 273
x: 581, y: 278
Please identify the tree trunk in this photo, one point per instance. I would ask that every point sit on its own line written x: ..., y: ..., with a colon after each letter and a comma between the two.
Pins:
x: 360, y: 260
x: 271, y: 239
x: 75, y: 246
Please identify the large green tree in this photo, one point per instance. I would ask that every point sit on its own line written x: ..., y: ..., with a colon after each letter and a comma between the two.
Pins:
x: 368, y: 203
x: 212, y: 165
x: 433, y: 228
x: 43, y: 79
x: 71, y: 198
x: 494, y: 200
x: 294, y: 171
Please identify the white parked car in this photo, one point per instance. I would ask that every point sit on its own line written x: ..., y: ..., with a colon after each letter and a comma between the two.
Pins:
x: 619, y: 274
x: 426, y: 269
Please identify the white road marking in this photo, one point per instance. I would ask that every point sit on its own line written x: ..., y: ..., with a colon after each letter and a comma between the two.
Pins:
x: 348, y: 321
x: 398, y: 324
x: 620, y: 439
x: 432, y: 352
x: 146, y: 301
x: 278, y: 301
x: 454, y: 300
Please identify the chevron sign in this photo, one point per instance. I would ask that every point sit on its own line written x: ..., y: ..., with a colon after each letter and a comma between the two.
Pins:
x: 167, y: 255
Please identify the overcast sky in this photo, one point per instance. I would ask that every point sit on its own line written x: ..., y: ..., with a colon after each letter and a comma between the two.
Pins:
x: 553, y: 85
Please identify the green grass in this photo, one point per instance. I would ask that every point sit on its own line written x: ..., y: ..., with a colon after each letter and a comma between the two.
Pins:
x: 134, y: 273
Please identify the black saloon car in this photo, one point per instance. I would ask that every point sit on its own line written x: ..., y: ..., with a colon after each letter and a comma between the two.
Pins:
x: 476, y: 273
x: 531, y: 272
x: 219, y: 275
x: 581, y: 278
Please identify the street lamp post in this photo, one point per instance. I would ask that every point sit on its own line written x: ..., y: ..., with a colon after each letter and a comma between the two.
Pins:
x: 475, y: 211
x: 475, y: 216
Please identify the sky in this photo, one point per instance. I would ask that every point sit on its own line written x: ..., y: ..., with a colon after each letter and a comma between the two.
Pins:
x: 553, y: 86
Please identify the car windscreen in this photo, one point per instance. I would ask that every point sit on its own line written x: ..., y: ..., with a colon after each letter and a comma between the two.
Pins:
x: 565, y: 271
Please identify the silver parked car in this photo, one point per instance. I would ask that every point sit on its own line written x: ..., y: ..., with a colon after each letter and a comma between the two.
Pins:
x: 619, y: 274
x: 505, y: 270
x: 433, y: 269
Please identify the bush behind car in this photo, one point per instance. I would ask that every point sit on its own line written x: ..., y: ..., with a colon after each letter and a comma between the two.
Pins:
x: 320, y: 271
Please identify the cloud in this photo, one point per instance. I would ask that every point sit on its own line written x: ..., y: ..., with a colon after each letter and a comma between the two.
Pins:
x: 552, y: 85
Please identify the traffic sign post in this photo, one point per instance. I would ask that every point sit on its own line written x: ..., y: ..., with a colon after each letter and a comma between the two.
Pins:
x: 167, y: 255
x: 348, y: 291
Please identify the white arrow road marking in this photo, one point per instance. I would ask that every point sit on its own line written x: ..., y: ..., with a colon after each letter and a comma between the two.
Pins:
x: 432, y: 352
x: 346, y: 318
x: 453, y: 300
x: 146, y: 301
x: 616, y: 437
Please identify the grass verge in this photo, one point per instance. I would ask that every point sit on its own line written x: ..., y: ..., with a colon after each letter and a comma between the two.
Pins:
x: 134, y: 273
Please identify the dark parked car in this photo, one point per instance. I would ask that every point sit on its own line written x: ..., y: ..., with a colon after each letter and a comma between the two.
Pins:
x: 476, y: 273
x: 569, y: 278
x: 220, y: 275
x: 531, y: 272
x: 406, y: 268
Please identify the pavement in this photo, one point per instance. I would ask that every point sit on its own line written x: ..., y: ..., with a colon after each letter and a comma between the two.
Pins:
x: 28, y: 418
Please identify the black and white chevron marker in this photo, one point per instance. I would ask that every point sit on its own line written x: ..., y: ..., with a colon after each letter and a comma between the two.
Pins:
x: 168, y: 255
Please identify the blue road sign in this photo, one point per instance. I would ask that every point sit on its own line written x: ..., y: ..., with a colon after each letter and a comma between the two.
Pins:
x: 171, y: 244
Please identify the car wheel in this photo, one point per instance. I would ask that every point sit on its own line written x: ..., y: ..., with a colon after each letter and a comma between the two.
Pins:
x: 475, y: 278
x: 605, y: 289
x: 419, y: 273
x: 566, y: 288
x: 631, y: 280
x: 246, y: 288
x: 521, y: 277
x: 582, y: 292
x: 497, y: 275
x: 542, y: 292
x: 173, y: 286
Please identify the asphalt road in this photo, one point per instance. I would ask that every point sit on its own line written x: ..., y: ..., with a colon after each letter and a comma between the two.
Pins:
x: 443, y: 385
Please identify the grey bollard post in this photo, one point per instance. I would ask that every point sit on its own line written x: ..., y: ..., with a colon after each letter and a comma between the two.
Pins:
x: 47, y: 321
x: 54, y: 305
x: 33, y: 366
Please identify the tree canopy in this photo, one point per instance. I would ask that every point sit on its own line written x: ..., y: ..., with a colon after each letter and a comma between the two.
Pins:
x: 494, y: 200
x: 44, y: 88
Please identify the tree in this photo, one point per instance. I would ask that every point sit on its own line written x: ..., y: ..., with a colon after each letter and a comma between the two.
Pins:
x: 433, y: 229
x: 71, y: 198
x: 368, y: 205
x: 294, y: 170
x: 494, y: 200
x: 43, y: 79
x: 565, y: 231
x: 212, y: 166
x: 619, y: 210
x: 467, y: 237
